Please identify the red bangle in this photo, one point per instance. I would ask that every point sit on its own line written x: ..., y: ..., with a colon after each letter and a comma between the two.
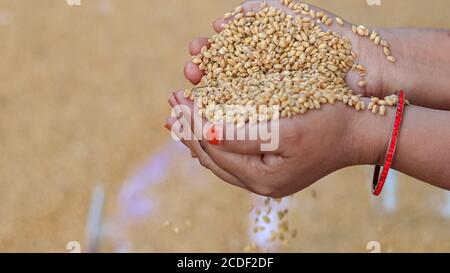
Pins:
x: 379, y: 181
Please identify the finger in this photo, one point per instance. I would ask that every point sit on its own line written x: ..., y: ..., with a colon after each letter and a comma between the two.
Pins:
x: 243, y: 167
x: 218, y: 24
x: 245, y: 140
x: 193, y: 73
x: 194, y: 119
x: 196, y: 45
x: 247, y: 6
x: 236, y: 169
x: 198, y: 123
x: 232, y: 168
x: 198, y: 147
x: 172, y: 100
x: 169, y: 122
x: 252, y: 139
x: 180, y: 132
x: 203, y: 157
x: 206, y: 161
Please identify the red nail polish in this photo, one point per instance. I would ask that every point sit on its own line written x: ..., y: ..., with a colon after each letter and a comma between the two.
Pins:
x: 167, y: 126
x: 212, y: 137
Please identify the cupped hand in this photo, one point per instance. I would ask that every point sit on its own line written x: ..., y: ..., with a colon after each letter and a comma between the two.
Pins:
x: 367, y: 52
x: 310, y: 146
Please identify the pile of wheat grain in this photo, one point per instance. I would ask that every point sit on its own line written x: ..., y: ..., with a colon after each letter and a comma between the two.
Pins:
x: 266, y: 63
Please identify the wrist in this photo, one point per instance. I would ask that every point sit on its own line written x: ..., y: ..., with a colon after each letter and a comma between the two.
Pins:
x: 421, y: 68
x: 378, y: 68
x: 368, y: 137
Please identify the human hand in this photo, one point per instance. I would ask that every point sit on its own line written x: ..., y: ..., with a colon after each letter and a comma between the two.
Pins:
x: 310, y: 147
x: 371, y: 57
x: 421, y: 68
x: 320, y: 142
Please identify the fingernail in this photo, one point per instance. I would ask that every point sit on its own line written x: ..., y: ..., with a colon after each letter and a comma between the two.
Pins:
x: 214, y: 142
x: 167, y: 126
x: 212, y: 137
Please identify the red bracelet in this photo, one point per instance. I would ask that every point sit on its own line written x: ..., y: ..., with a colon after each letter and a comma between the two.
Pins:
x: 379, y: 181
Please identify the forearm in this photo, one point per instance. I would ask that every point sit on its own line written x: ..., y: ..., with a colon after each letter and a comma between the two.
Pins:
x: 424, y: 151
x: 422, y: 69
x: 423, y: 148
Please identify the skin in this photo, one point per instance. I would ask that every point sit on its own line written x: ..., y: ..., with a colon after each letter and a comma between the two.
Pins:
x: 347, y: 138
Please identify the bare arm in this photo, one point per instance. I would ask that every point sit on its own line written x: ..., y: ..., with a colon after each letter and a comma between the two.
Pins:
x: 422, y: 69
x: 423, y: 150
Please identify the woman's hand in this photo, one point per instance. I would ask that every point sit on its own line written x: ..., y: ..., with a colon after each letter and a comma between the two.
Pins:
x: 421, y: 69
x: 310, y: 146
x: 368, y: 54
x: 320, y: 142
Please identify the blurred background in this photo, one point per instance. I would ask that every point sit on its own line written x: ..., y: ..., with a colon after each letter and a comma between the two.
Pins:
x: 85, y: 163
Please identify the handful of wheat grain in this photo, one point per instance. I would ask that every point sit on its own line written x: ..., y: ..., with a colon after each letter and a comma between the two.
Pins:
x: 267, y: 63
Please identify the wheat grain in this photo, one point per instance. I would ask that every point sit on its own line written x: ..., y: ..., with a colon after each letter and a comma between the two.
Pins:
x: 271, y: 59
